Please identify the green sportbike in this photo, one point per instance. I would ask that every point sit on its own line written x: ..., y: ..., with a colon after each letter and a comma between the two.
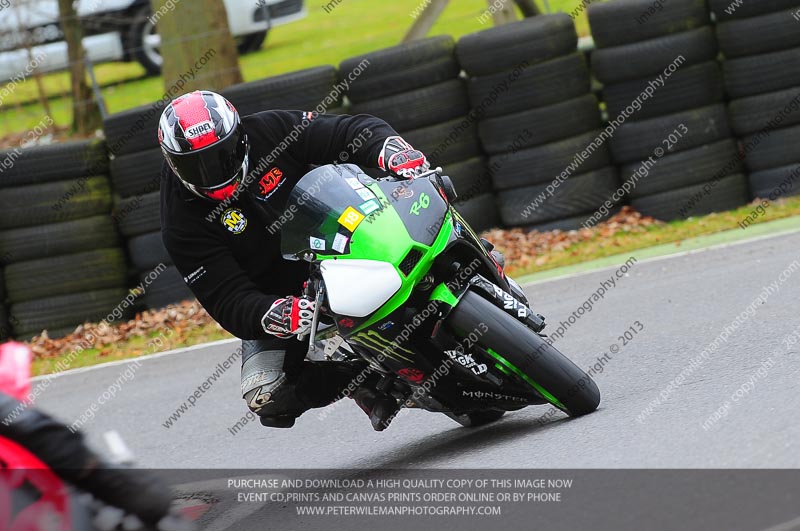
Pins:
x: 402, y: 281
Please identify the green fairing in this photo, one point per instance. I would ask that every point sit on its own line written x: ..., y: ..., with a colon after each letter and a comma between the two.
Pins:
x: 383, y: 236
x: 442, y: 293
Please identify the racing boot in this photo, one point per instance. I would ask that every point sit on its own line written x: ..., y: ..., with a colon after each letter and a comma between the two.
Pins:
x: 379, y: 407
x: 278, y: 421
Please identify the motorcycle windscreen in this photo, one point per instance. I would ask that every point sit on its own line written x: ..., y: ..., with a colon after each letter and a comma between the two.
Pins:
x: 324, y: 209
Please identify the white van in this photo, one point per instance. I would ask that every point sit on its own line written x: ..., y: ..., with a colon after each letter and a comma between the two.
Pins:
x: 117, y: 30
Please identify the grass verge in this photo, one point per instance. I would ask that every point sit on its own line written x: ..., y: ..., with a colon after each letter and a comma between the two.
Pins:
x: 132, y: 347
x: 607, y: 243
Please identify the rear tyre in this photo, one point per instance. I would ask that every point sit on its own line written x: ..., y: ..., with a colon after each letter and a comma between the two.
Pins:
x: 524, y: 353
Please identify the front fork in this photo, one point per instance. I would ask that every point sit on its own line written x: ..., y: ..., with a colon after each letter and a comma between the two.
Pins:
x: 510, y: 303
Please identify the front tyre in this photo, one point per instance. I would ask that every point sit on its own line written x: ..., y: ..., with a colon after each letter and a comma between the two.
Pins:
x: 524, y: 354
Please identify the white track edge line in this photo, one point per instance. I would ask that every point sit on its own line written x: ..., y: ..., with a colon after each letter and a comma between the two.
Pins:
x: 678, y: 254
x: 181, y: 350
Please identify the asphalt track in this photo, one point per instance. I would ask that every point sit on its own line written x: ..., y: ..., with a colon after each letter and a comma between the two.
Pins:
x: 683, y: 304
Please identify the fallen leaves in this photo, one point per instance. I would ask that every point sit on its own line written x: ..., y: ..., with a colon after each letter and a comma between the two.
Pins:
x: 525, y: 249
x: 182, y: 319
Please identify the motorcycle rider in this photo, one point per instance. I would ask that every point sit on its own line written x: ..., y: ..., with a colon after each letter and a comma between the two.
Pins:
x: 135, y: 491
x: 225, y: 183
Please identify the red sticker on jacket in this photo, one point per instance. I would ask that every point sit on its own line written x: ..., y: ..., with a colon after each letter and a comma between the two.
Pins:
x: 270, y: 181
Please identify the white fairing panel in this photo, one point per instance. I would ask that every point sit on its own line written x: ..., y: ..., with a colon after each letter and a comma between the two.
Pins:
x: 357, y: 288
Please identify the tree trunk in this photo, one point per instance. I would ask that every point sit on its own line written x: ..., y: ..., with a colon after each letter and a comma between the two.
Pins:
x: 505, y: 14
x: 196, y: 44
x: 528, y: 8
x: 424, y: 21
x: 85, y: 111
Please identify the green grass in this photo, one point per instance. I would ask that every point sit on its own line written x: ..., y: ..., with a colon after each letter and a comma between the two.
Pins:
x: 353, y: 27
x: 674, y: 232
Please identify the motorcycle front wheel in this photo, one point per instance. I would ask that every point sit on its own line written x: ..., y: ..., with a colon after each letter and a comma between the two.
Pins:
x: 519, y: 352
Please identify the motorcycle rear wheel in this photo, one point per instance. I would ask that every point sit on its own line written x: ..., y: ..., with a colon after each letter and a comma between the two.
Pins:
x: 518, y: 351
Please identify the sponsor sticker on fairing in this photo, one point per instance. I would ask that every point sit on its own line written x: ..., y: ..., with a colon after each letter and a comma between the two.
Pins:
x: 354, y: 183
x: 340, y: 243
x: 365, y: 193
x: 369, y: 207
x: 351, y: 219
x: 318, y: 244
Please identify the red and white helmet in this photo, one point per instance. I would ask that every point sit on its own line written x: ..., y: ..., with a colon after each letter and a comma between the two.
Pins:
x: 203, y: 140
x: 15, y: 370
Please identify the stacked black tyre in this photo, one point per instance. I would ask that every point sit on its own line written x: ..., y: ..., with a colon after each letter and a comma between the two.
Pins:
x: 673, y: 143
x: 136, y: 163
x: 529, y: 89
x: 761, y: 45
x: 63, y: 261
x: 137, y: 214
x: 416, y: 88
x: 312, y: 89
x: 6, y: 331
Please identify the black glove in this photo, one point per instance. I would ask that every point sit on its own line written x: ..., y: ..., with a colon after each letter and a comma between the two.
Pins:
x: 137, y: 492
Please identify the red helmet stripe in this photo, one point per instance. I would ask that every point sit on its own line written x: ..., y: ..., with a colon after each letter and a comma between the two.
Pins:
x: 195, y: 120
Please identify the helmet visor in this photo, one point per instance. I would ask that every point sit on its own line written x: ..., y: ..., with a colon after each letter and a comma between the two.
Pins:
x: 213, y: 166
